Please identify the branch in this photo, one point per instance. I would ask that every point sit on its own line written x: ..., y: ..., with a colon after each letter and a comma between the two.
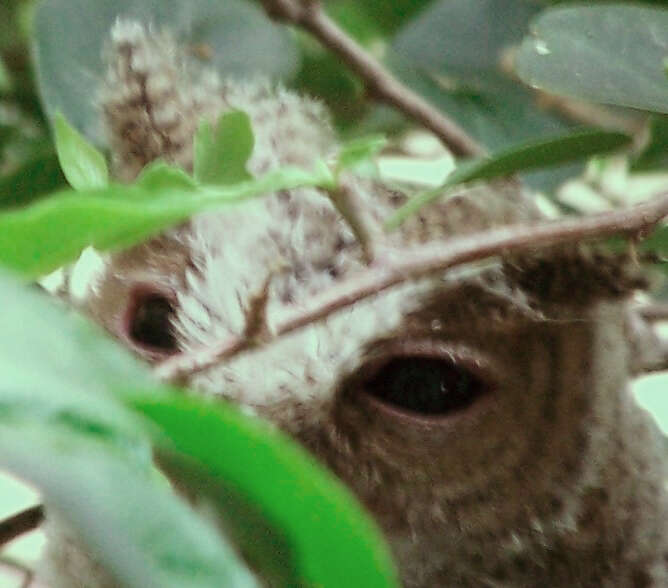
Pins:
x: 424, y: 260
x: 309, y: 15
x: 20, y: 523
x: 18, y: 566
x: 654, y: 312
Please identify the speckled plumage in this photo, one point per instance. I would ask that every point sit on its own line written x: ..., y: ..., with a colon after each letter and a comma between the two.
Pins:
x: 559, y: 481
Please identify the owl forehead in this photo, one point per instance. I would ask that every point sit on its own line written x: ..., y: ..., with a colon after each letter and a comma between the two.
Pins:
x: 298, y: 246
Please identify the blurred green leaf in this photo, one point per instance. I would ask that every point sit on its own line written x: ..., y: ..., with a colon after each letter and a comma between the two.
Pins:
x: 546, y: 152
x: 358, y: 150
x: 657, y: 242
x: 322, y: 74
x: 354, y: 18
x: 62, y: 430
x: 389, y: 16
x: 221, y: 153
x: 41, y: 237
x: 334, y: 543
x: 611, y: 53
x: 451, y: 55
x: 69, y: 38
x: 84, y: 166
x: 5, y: 78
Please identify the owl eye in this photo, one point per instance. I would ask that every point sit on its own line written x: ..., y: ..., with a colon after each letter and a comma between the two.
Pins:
x: 433, y: 384
x: 148, y: 322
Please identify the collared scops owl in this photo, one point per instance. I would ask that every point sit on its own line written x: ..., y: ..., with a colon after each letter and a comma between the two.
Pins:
x: 483, y: 417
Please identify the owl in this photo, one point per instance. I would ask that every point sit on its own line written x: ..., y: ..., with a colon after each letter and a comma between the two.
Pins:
x: 482, y: 417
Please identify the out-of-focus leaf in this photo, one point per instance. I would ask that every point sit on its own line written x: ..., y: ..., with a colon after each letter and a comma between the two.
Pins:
x: 532, y: 155
x: 451, y: 54
x: 39, y: 238
x: 354, y: 18
x: 62, y: 430
x: 657, y: 242
x: 262, y: 543
x: 130, y: 522
x: 322, y: 74
x: 83, y: 165
x: 655, y: 155
x: 389, y: 16
x: 5, y: 78
x: 610, y: 53
x: 333, y: 543
x: 221, y: 152
x: 69, y: 35
x: 31, y: 181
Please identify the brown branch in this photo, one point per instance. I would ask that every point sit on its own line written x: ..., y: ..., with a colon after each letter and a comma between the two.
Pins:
x: 428, y: 259
x: 20, y: 523
x: 379, y: 82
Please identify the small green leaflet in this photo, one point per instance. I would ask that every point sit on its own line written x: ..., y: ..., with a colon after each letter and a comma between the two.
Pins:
x: 359, y: 150
x: 84, y: 166
x: 222, y: 151
x: 536, y: 154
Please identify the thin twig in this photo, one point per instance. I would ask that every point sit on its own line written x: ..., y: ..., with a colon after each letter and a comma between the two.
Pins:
x: 379, y: 82
x: 14, y: 564
x: 654, y: 312
x: 428, y: 259
x: 20, y: 523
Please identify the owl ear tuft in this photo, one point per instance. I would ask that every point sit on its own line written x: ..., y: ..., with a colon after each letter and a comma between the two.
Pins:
x: 150, y: 104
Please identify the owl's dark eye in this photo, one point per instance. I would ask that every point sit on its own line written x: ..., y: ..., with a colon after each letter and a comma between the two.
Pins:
x: 431, y: 384
x: 424, y: 385
x: 148, y: 322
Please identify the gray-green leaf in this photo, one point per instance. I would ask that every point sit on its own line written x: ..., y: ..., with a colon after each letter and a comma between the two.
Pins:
x: 236, y: 37
x: 610, y: 53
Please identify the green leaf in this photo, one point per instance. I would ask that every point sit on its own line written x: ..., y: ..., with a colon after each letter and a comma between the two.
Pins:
x: 657, y: 242
x: 238, y: 39
x: 84, y: 166
x: 391, y: 15
x: 612, y: 54
x: 158, y: 176
x: 62, y: 430
x: 333, y: 542
x: 655, y: 154
x: 221, y: 153
x: 53, y: 231
x: 5, y: 78
x: 358, y: 150
x: 572, y: 147
x: 132, y: 524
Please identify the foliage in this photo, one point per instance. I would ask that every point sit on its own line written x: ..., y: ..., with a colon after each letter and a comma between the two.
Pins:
x: 73, y: 402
